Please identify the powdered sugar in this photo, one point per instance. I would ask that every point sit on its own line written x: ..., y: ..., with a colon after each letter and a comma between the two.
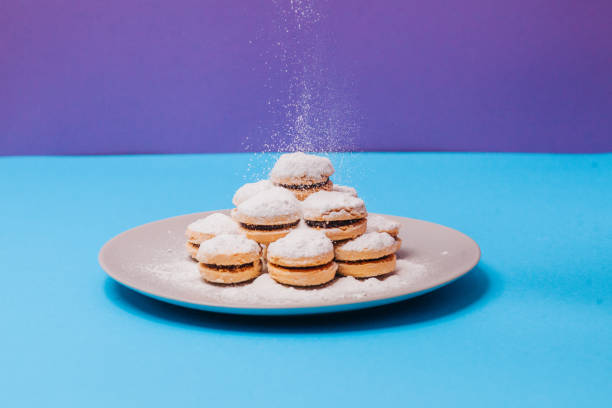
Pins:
x: 301, y: 243
x: 250, y: 189
x: 183, y: 275
x: 301, y: 166
x: 371, y: 241
x: 226, y: 244
x: 274, y: 202
x: 324, y: 202
x: 345, y: 189
x: 378, y: 223
x: 215, y: 224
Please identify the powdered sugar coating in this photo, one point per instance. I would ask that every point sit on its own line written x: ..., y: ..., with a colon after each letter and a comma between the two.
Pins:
x: 215, y: 224
x: 301, y: 166
x: 322, y: 203
x: 249, y: 190
x: 226, y: 244
x: 301, y: 243
x: 345, y: 189
x: 371, y: 241
x: 378, y: 223
x: 274, y: 202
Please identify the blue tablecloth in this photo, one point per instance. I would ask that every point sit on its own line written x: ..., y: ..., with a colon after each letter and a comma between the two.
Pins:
x: 530, y: 326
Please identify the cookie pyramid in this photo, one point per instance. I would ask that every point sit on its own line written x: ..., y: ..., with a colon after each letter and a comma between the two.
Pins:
x: 298, y: 226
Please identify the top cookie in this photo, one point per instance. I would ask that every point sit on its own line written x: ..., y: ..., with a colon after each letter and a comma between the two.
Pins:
x: 269, y: 207
x: 249, y: 190
x: 301, y: 247
x: 227, y: 249
x: 301, y: 169
x: 333, y: 206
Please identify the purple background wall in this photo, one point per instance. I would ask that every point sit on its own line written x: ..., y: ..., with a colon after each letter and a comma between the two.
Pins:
x: 81, y: 77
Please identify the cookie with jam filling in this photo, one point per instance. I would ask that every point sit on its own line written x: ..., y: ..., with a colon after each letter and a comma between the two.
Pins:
x: 341, y: 216
x: 229, y: 258
x: 302, y: 174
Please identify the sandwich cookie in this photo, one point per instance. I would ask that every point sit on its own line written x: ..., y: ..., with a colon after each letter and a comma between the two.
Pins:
x: 229, y: 258
x: 303, y: 174
x: 305, y: 257
x: 344, y: 189
x: 268, y: 215
x: 378, y: 223
x: 340, y: 215
x: 249, y: 190
x: 372, y: 254
x: 207, y: 228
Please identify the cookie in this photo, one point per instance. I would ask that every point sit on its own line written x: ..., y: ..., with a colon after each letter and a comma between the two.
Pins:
x: 341, y: 216
x: 249, y: 190
x: 344, y: 189
x: 305, y: 257
x: 378, y: 223
x: 192, y: 248
x: 229, y: 258
x: 302, y: 174
x: 207, y: 228
x: 268, y: 215
x: 372, y: 254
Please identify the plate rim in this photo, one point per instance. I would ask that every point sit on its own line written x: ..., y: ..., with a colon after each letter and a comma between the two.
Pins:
x: 231, y: 308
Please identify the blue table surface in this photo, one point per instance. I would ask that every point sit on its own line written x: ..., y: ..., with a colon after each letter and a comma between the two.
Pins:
x: 531, y: 325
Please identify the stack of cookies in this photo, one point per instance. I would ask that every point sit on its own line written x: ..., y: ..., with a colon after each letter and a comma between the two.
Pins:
x: 298, y: 226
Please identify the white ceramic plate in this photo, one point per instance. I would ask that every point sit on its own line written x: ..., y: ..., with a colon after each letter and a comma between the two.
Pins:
x: 152, y: 260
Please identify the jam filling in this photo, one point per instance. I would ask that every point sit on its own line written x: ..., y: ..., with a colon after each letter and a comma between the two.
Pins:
x: 304, y: 186
x: 233, y: 268
x: 331, y: 224
x: 304, y: 268
x: 269, y: 227
x: 364, y: 261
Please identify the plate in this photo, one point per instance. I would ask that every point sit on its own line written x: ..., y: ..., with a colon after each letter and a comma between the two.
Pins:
x: 152, y: 259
